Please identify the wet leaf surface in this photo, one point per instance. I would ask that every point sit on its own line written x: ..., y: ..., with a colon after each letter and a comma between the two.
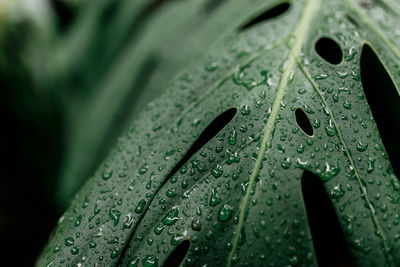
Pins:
x: 238, y: 198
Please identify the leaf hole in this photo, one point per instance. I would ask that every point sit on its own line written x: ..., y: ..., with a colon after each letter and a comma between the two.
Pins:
x: 303, y: 122
x: 384, y: 102
x: 212, y: 129
x: 329, y: 50
x: 328, y: 238
x: 178, y: 255
x: 267, y: 15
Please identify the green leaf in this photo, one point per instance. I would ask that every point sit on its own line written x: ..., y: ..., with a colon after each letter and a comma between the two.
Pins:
x: 148, y: 60
x: 220, y: 170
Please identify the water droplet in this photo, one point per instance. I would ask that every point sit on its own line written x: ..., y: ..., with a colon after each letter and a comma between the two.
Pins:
x: 330, y: 129
x: 286, y: 163
x: 346, y: 104
x: 245, y: 110
x: 302, y: 91
x: 143, y: 169
x: 321, y: 76
x: 215, y: 198
x: 78, y: 220
x: 150, y: 261
x: 74, y: 250
x: 175, y: 239
x: 107, y: 174
x: 217, y: 171
x: 337, y: 191
x: 329, y: 172
x: 69, y: 241
x: 196, y: 224
x: 212, y: 66
x: 232, y: 137
x: 92, y: 244
x: 56, y: 249
x: 127, y: 222
x: 316, y: 123
x: 300, y: 148
x: 115, y: 253
x: 170, y: 193
x: 134, y: 262
x: 171, y: 217
x: 233, y: 158
x: 225, y: 213
x: 239, y: 78
x: 371, y: 165
x: 342, y: 74
x: 158, y: 229
x: 304, y: 165
x: 140, y: 206
x: 114, y: 215
x: 350, y: 54
x: 361, y: 147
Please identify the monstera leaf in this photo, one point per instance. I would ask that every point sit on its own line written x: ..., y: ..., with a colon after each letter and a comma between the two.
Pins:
x: 277, y: 148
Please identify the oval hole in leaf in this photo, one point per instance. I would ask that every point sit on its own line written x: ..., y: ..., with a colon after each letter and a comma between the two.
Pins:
x: 212, y: 129
x: 384, y: 102
x: 269, y: 14
x: 303, y: 122
x: 329, y: 50
x: 177, y: 256
x: 328, y: 239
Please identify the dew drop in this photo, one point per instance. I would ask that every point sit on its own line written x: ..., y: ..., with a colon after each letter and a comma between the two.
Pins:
x: 69, y: 241
x: 150, y: 261
x: 140, y: 206
x: 196, y: 224
x: 329, y: 172
x: 171, y: 217
x: 361, y: 147
x: 337, y: 191
x: 215, y: 198
x: 225, y: 213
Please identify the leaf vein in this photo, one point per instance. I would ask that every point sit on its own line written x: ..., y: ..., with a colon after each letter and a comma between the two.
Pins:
x: 348, y: 155
x: 373, y: 27
x: 299, y: 35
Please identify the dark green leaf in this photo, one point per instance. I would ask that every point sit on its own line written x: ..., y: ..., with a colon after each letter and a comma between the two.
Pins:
x: 239, y: 200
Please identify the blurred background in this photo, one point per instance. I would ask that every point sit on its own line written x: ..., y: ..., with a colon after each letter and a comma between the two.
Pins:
x: 67, y: 92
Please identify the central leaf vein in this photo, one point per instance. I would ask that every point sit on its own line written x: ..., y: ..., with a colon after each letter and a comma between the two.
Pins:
x: 296, y: 42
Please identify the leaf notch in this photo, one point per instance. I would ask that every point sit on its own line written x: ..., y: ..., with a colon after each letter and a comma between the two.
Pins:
x: 271, y: 13
x: 384, y: 102
x: 177, y: 256
x: 212, y: 130
x: 328, y: 238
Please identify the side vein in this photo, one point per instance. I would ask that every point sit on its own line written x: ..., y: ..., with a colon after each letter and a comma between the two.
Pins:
x: 299, y: 35
x: 391, y: 5
x: 363, y: 189
x: 373, y: 27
